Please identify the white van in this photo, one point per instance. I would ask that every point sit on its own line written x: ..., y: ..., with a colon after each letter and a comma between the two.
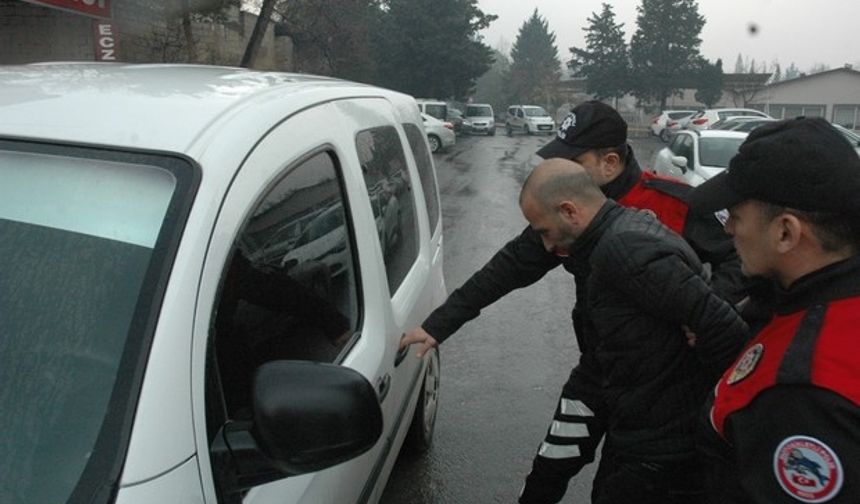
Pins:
x: 433, y: 108
x: 197, y: 303
x: 480, y: 118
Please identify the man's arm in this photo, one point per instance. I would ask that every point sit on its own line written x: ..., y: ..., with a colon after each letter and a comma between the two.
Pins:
x: 657, y: 277
x: 521, y: 262
x: 819, y: 424
x: 708, y: 238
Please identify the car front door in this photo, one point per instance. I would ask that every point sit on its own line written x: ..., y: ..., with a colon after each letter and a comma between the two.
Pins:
x: 322, y: 306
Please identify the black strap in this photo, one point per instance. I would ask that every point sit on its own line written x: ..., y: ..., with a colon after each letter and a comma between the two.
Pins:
x: 796, y: 365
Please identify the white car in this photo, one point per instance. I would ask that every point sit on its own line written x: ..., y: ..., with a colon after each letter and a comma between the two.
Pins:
x: 696, y: 156
x: 529, y: 119
x: 705, y: 119
x: 164, y: 339
x: 852, y: 137
x: 440, y: 134
x: 669, y: 122
x: 479, y: 118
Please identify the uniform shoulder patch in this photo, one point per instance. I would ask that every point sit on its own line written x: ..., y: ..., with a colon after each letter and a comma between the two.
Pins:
x: 807, y: 469
x: 746, y: 365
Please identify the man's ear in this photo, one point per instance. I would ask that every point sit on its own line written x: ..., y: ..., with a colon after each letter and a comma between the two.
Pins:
x: 569, y: 211
x: 788, y: 232
x: 613, y: 165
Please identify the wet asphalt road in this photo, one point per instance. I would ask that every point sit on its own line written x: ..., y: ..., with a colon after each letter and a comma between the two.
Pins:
x: 502, y: 372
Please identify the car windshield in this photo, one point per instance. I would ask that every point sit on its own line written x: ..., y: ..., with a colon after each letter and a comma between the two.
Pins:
x: 479, y: 111
x: 535, y: 112
x: 717, y: 152
x: 437, y: 111
x: 75, y: 269
x: 679, y: 115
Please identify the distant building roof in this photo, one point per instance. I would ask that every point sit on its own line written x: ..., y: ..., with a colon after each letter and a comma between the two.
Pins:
x: 846, y: 69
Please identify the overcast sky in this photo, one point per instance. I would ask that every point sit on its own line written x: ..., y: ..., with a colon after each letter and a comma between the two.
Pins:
x: 805, y: 32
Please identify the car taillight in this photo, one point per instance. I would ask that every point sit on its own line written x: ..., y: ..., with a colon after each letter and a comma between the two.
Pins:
x: 671, y: 123
x: 654, y: 119
x: 448, y: 125
x: 700, y: 121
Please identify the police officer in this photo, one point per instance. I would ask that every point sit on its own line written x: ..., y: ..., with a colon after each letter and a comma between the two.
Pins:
x: 786, y: 416
x: 594, y: 135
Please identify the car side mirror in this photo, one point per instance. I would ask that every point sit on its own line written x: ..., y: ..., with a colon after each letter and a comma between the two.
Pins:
x: 680, y: 162
x: 307, y: 416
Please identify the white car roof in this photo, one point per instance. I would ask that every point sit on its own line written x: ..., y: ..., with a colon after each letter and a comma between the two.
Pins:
x: 722, y: 134
x: 159, y: 107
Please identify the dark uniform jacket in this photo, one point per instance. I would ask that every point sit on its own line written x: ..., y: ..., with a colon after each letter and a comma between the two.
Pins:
x: 524, y: 260
x: 643, y: 283
x: 786, y: 417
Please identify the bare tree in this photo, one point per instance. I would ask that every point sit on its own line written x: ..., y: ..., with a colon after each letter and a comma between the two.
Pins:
x: 256, y: 39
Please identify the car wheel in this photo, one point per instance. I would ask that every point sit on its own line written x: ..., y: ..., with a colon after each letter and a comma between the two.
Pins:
x: 526, y: 130
x: 435, y: 143
x: 420, y: 435
x: 664, y: 135
x: 509, y: 130
x: 491, y: 131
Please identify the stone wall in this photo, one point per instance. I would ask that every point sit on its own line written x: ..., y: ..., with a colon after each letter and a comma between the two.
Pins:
x: 146, y: 34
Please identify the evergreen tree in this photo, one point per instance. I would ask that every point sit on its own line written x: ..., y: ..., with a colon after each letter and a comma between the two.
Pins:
x: 665, y: 48
x: 752, y: 66
x: 710, y: 87
x: 535, y: 67
x: 777, y: 72
x: 739, y: 64
x: 332, y: 37
x: 431, y: 48
x: 792, y: 72
x: 604, y: 61
x: 492, y: 87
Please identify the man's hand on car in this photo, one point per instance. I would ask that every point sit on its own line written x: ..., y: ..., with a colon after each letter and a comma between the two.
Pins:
x: 421, y: 337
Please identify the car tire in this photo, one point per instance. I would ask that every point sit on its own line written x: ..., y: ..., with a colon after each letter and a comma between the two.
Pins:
x: 435, y: 143
x: 664, y: 135
x: 526, y: 130
x: 420, y: 436
x: 509, y: 130
x: 491, y: 131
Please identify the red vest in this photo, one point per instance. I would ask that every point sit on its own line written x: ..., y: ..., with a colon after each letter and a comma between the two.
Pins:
x: 648, y: 194
x: 818, y: 346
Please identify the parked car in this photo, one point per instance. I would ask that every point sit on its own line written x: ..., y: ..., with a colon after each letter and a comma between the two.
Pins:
x: 668, y: 122
x: 480, y: 119
x: 455, y: 117
x: 528, y: 119
x: 433, y: 108
x: 852, y: 137
x: 440, y: 134
x: 705, y: 119
x: 696, y: 156
x: 743, y: 124
x: 155, y: 348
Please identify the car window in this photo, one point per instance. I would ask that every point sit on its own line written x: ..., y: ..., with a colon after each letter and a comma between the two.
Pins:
x: 82, y: 250
x: 535, y: 112
x: 425, y: 172
x: 675, y: 146
x: 679, y: 115
x: 482, y: 111
x: 387, y: 178
x: 685, y: 148
x: 290, y: 298
x: 718, y: 151
x: 439, y: 111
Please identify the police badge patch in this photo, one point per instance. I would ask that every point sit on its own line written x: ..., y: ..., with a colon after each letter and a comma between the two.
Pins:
x: 746, y: 365
x: 807, y: 469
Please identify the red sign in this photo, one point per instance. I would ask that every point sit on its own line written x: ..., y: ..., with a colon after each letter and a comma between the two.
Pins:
x: 105, y: 40
x: 95, y: 8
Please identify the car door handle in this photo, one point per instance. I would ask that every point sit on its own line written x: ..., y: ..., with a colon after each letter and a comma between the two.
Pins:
x: 401, y: 354
x: 383, y: 385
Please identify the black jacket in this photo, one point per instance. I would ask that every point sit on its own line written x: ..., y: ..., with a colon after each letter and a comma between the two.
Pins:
x: 524, y: 260
x: 643, y: 283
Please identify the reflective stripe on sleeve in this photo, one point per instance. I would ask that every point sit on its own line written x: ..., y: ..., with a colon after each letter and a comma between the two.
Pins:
x: 567, y: 429
x: 553, y: 451
x: 575, y: 408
